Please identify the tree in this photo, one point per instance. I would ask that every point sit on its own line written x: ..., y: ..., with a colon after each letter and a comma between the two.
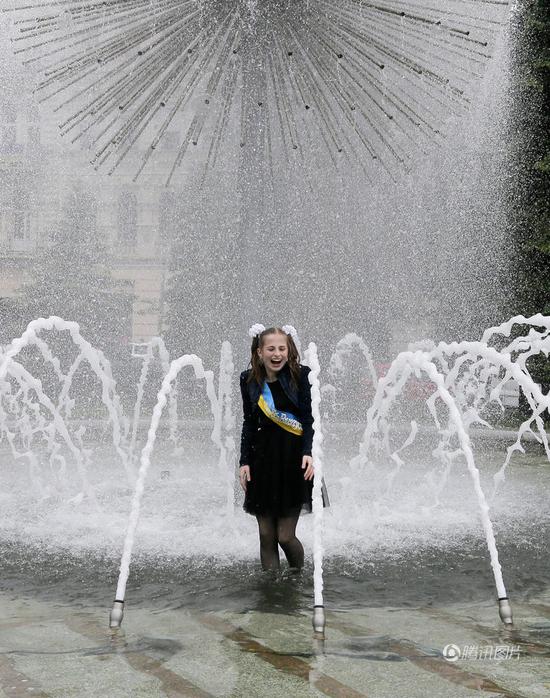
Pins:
x: 70, y: 278
x: 530, y: 201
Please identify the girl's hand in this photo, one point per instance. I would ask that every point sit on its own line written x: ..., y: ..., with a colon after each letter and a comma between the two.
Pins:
x: 307, y: 465
x: 244, y: 475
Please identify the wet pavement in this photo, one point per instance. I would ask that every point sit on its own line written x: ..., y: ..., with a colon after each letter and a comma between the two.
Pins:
x: 54, y: 649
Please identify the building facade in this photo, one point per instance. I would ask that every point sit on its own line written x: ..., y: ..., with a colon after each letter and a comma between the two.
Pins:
x: 40, y: 173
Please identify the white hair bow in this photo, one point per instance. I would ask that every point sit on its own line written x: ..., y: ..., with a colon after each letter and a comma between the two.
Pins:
x: 289, y: 329
x: 255, y: 330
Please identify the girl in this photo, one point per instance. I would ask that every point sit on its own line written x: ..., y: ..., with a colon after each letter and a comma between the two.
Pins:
x: 276, y: 468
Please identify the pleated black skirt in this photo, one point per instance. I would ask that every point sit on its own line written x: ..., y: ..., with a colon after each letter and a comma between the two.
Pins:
x: 277, y: 485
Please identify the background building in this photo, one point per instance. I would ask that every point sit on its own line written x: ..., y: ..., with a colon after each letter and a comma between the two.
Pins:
x: 39, y: 187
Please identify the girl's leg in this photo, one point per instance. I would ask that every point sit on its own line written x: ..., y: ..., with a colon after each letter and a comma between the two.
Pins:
x: 269, y: 550
x: 286, y: 534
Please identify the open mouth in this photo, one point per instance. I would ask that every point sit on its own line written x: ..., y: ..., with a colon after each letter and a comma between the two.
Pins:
x: 276, y: 362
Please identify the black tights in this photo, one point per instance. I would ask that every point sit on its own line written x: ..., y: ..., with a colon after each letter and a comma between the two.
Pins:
x: 279, y: 531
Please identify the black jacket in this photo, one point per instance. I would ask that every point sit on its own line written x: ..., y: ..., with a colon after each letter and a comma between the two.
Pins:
x: 300, y: 397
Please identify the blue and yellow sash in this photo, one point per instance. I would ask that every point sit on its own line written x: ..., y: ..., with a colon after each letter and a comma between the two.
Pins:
x: 286, y: 420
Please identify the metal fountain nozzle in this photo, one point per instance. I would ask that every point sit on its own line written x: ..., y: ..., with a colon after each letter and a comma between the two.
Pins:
x: 318, y: 620
x: 505, y: 610
x: 117, y: 614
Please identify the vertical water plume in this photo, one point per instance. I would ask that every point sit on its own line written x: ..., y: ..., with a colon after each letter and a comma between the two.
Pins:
x: 175, y: 367
x: 99, y: 365
x: 312, y: 360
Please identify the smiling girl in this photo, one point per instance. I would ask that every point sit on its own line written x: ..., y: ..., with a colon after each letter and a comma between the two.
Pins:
x: 276, y: 467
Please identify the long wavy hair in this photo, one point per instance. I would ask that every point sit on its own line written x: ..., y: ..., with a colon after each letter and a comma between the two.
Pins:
x: 258, y: 370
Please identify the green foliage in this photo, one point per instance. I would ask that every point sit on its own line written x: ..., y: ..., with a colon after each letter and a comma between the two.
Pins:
x: 532, y: 93
x: 543, y: 165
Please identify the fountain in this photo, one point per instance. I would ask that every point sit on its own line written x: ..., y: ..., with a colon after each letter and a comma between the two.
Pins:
x: 465, y: 378
x: 352, y: 152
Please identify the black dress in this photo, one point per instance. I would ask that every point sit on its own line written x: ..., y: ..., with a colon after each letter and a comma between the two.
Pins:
x: 277, y: 486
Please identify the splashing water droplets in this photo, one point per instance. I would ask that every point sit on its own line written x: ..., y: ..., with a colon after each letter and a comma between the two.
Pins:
x: 461, y: 380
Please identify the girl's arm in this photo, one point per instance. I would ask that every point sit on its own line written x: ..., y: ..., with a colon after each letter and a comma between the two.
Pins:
x: 248, y: 423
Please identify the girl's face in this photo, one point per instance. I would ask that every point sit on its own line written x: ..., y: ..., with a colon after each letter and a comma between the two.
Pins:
x: 274, y: 352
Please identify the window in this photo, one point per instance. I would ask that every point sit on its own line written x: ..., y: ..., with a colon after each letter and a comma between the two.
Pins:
x: 167, y: 217
x: 8, y: 138
x: 127, y: 219
x: 21, y: 233
x: 21, y: 225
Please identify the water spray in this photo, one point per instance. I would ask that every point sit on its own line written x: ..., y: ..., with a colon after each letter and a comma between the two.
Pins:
x: 465, y: 376
x: 116, y: 615
x: 317, y: 452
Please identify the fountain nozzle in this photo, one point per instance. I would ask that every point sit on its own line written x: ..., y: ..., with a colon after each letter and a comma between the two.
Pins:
x: 319, y: 620
x: 117, y: 614
x: 505, y: 610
